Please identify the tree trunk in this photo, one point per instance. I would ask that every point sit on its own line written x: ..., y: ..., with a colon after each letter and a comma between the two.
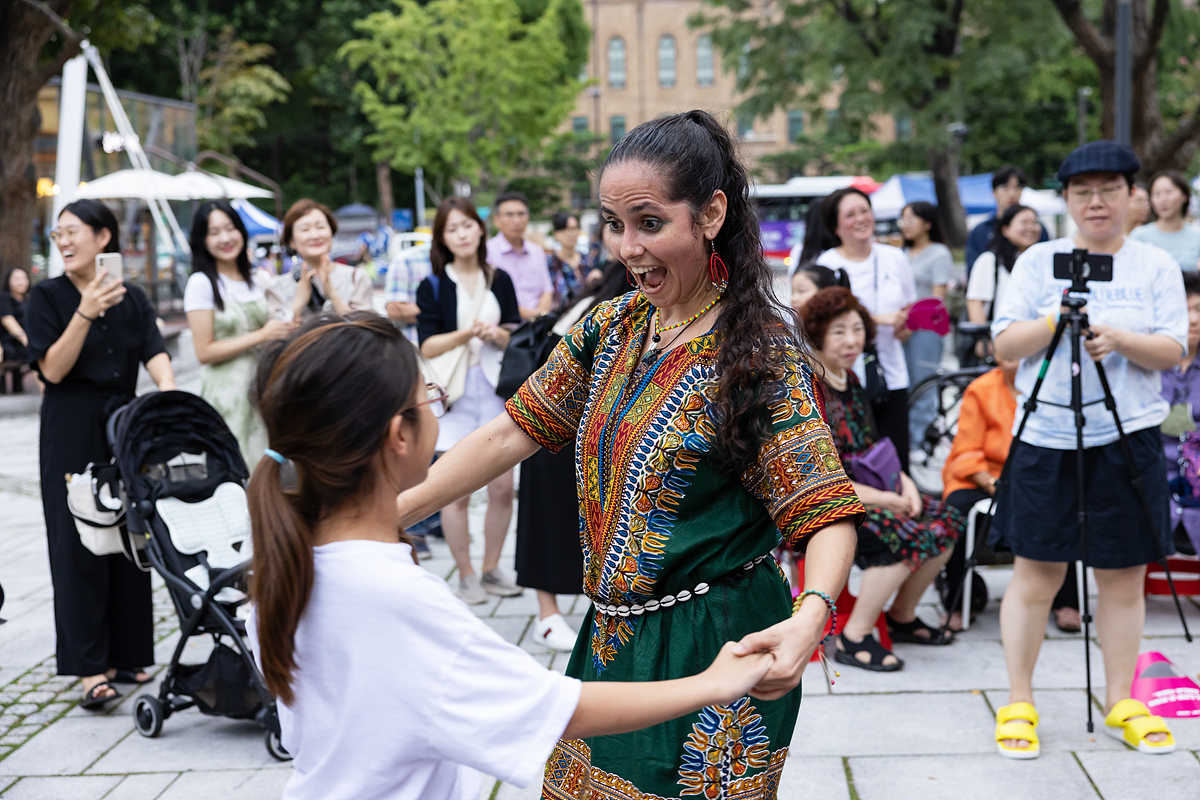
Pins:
x: 383, y: 181
x: 943, y: 164
x: 23, y: 32
x: 1157, y: 148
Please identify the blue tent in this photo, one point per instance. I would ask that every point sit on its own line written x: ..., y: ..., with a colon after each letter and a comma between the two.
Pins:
x: 974, y: 192
x: 257, y: 221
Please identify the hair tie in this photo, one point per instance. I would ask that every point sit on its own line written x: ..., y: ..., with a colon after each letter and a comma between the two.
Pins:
x: 275, y: 456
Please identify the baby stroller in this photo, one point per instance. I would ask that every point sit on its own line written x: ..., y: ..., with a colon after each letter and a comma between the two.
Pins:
x: 183, y: 478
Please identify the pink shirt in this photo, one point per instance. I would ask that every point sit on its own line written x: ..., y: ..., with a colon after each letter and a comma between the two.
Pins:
x: 526, y: 267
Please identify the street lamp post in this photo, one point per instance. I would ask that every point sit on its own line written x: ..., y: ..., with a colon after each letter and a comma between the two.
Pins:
x: 1124, y: 72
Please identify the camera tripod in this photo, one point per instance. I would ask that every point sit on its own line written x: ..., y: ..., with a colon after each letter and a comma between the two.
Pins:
x: 1075, y: 321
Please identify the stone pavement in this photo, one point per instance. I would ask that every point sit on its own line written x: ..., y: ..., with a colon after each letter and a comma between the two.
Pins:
x: 924, y: 732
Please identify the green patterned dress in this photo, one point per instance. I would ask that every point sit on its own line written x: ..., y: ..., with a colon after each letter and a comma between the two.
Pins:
x: 226, y: 386
x: 658, y: 520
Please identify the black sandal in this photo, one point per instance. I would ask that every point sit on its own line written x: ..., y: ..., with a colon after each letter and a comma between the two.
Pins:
x: 130, y: 676
x: 847, y: 651
x: 93, y: 701
x: 911, y: 632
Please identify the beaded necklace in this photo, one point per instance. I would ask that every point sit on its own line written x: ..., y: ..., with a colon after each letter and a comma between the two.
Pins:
x: 659, y: 330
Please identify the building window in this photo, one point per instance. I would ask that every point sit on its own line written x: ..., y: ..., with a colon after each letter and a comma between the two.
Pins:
x: 795, y: 125
x: 745, y: 125
x: 579, y: 124
x: 666, y: 61
x: 616, y: 62
x: 904, y: 128
x: 617, y: 126
x: 705, y: 73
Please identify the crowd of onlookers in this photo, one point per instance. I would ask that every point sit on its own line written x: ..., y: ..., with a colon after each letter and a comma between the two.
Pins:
x: 876, y: 320
x: 875, y: 317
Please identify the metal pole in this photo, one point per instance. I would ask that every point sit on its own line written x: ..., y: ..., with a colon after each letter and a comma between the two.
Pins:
x: 72, y: 96
x: 1124, y: 72
x: 419, y: 189
x: 1081, y: 98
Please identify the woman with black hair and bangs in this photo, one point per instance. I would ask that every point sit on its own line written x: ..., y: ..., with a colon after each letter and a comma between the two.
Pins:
x: 700, y: 448
x: 227, y: 314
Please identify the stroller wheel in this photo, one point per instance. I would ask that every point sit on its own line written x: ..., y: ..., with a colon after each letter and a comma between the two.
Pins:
x: 275, y: 747
x: 148, y: 715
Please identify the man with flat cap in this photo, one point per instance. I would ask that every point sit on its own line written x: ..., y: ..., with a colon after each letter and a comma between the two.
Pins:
x: 1138, y: 327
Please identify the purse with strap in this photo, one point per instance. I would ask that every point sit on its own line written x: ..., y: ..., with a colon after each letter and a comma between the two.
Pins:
x: 449, y: 370
x: 878, y: 466
x: 97, y: 503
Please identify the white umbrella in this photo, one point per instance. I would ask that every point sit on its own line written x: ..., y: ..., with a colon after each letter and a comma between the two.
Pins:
x: 204, y: 185
x: 133, y: 183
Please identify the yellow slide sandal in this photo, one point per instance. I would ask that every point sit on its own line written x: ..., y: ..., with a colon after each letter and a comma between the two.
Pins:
x: 1017, y: 721
x: 1131, y: 722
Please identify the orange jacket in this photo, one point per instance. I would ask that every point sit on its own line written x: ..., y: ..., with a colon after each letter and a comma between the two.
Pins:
x: 984, y: 435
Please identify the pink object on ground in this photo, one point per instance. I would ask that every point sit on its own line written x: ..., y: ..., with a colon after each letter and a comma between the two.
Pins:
x: 1166, y: 692
x: 929, y: 314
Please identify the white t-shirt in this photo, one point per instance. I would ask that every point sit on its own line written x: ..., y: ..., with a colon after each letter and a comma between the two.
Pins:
x: 884, y: 284
x: 1145, y: 296
x: 198, y: 294
x: 984, y: 278
x: 402, y: 693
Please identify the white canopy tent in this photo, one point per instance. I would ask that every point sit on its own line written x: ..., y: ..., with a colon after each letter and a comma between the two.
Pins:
x: 148, y: 183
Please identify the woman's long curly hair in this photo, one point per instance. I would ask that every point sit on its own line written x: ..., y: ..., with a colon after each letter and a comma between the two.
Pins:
x: 695, y: 156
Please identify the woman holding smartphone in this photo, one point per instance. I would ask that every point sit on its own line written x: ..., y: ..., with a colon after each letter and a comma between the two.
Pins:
x: 88, y: 332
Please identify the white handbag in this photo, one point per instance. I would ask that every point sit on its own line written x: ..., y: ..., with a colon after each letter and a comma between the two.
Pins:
x: 449, y: 370
x: 96, y: 501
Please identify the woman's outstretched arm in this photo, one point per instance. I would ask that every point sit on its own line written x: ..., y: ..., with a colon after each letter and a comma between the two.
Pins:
x: 476, y: 461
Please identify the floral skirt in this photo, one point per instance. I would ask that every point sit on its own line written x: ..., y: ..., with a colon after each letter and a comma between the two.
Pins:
x: 885, y: 539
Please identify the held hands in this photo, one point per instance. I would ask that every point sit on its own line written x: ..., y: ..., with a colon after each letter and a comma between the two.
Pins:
x: 303, y: 289
x: 98, y: 296
x: 791, y: 643
x: 732, y: 675
x: 891, y: 501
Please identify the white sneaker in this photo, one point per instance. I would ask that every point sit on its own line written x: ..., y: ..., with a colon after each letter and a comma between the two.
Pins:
x: 554, y: 633
x: 497, y: 582
x: 470, y: 591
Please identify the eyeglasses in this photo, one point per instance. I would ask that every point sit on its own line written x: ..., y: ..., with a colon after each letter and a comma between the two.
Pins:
x: 1107, y: 194
x: 65, y: 234
x: 435, y: 398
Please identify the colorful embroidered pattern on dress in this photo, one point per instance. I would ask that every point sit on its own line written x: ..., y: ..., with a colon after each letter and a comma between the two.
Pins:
x: 570, y: 776
x: 640, y: 444
x: 725, y: 743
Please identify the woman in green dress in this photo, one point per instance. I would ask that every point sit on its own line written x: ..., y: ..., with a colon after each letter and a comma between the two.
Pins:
x: 700, y: 448
x: 227, y: 313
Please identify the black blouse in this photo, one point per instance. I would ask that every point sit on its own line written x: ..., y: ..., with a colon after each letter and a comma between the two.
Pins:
x: 437, y: 299
x: 9, y: 306
x: 126, y: 336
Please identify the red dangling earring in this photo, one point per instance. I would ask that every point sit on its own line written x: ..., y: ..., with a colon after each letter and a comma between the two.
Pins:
x: 718, y: 273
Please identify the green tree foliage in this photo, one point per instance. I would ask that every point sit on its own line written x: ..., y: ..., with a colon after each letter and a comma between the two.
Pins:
x: 466, y: 89
x: 36, y: 39
x: 233, y: 90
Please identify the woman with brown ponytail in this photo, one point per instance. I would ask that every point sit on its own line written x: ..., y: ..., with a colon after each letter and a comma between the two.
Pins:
x: 388, y: 686
x: 700, y: 448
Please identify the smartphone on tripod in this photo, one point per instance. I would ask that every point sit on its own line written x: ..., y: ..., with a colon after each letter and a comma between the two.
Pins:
x: 1080, y: 267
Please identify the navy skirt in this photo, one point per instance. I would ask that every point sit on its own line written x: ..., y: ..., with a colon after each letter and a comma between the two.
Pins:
x: 1036, y: 509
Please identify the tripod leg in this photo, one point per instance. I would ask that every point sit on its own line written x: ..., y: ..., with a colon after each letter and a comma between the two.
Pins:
x: 1081, y: 502
x: 1137, y: 480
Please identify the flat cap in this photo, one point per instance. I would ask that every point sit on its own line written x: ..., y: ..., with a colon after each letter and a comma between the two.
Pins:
x: 1101, y: 156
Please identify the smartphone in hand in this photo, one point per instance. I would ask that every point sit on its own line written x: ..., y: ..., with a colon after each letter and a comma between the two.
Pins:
x: 114, y: 268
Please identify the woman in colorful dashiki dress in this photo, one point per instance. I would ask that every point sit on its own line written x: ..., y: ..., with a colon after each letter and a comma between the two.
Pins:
x: 700, y: 447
